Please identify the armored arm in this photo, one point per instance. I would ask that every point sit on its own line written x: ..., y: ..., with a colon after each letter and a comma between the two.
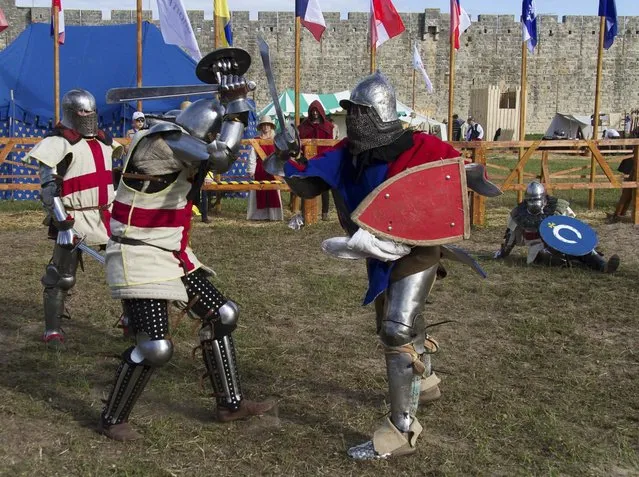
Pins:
x: 510, y: 240
x: 54, y: 207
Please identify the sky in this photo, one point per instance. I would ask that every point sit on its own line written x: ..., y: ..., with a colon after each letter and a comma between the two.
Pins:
x: 473, y: 7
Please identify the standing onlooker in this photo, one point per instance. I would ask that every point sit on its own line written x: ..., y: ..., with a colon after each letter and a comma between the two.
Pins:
x: 457, y: 127
x: 263, y: 204
x: 627, y: 126
x: 316, y: 126
x: 138, y: 122
x: 475, y: 131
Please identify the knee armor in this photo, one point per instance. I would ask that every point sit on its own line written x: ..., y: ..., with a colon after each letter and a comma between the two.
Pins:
x: 154, y: 353
x: 52, y: 278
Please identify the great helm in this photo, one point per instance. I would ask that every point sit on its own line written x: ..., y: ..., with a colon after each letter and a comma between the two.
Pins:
x: 202, y: 119
x: 535, y: 197
x: 79, y: 112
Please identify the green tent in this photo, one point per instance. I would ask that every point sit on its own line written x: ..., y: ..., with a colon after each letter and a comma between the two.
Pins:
x: 329, y: 101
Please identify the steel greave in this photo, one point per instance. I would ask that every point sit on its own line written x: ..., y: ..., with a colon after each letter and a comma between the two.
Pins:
x: 130, y: 380
x: 221, y: 364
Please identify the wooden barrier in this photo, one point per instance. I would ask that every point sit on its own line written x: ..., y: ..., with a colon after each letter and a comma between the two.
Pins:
x: 477, y: 151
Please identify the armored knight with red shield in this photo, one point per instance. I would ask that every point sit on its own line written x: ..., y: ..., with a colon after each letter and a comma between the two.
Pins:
x: 401, y: 196
x: 75, y: 166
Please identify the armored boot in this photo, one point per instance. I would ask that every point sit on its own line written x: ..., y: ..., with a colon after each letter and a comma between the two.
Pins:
x: 221, y: 365
x: 596, y: 261
x: 58, y: 279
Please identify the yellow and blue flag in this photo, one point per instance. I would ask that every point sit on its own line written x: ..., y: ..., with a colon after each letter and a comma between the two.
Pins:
x: 223, y: 31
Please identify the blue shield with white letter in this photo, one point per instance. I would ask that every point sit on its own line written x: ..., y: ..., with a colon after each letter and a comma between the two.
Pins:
x: 568, y: 235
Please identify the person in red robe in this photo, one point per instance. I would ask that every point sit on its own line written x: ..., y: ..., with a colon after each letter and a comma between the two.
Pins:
x: 317, y: 126
x: 263, y: 204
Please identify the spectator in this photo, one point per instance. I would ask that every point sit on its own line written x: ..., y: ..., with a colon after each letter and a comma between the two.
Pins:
x: 138, y: 122
x: 263, y: 204
x: 316, y: 126
x: 475, y: 131
x: 457, y: 127
x: 627, y: 126
x: 611, y: 133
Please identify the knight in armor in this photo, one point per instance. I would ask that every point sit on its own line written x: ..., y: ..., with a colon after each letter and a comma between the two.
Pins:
x: 523, y: 229
x: 149, y: 261
x: 75, y: 167
x: 377, y: 148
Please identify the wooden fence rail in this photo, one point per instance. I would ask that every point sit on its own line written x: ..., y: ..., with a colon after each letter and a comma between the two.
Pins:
x: 596, y: 173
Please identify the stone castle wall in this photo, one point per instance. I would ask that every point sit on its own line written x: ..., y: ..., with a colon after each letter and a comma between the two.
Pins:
x: 561, y: 75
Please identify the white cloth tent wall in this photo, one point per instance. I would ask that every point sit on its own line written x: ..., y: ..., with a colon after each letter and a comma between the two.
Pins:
x: 570, y: 125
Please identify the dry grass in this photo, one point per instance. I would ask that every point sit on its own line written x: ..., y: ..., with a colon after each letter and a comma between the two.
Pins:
x: 540, y: 370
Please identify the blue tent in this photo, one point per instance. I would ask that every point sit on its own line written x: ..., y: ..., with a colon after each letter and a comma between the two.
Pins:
x: 95, y: 58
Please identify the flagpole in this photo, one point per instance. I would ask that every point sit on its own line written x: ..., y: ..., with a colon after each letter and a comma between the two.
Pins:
x: 139, y: 49
x: 522, y: 111
x: 414, y: 79
x: 298, y: 32
x: 56, y: 66
x: 595, y: 125
x: 373, y: 55
x: 451, y: 81
x: 216, y: 25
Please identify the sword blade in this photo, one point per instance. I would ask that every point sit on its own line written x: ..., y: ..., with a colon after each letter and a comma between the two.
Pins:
x: 89, y: 251
x: 122, y: 95
x: 266, y: 61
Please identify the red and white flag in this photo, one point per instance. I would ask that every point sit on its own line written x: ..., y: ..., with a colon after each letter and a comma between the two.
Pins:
x: 58, y: 3
x: 3, y: 21
x: 385, y: 22
x: 459, y: 21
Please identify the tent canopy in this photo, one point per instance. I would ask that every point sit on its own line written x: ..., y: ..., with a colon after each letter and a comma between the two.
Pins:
x: 330, y: 101
x: 95, y: 58
x: 569, y: 124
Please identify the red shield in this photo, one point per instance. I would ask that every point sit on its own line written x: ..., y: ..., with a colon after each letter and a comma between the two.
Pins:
x: 424, y: 205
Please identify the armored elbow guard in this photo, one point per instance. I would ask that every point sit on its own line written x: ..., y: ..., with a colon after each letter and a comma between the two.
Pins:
x: 223, y: 151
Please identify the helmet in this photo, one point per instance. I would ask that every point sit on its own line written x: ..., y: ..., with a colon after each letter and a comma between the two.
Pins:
x: 79, y: 112
x: 535, y: 197
x: 375, y: 92
x: 372, y: 119
x: 201, y: 118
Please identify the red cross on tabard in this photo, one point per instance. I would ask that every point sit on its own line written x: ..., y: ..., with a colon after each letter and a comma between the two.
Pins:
x: 102, y: 178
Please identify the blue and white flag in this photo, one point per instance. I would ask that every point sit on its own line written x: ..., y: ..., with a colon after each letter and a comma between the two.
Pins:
x: 419, y: 66
x: 176, y: 27
x: 529, y: 24
x: 608, y: 9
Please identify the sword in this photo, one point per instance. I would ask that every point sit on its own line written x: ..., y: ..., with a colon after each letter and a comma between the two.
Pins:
x: 123, y: 95
x: 288, y: 138
x: 80, y: 245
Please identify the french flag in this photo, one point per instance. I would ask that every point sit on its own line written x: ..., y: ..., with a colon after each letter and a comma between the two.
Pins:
x: 385, y: 22
x: 58, y: 3
x: 311, y: 16
x: 459, y: 21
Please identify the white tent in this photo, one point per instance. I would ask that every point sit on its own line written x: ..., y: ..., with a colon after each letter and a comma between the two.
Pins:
x: 568, y: 125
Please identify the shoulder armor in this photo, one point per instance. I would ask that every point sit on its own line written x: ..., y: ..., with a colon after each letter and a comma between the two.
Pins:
x: 163, y: 127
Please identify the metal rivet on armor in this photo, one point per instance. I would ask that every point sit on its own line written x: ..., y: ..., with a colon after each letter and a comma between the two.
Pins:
x: 387, y: 196
x: 390, y: 227
x: 447, y: 177
x: 452, y: 224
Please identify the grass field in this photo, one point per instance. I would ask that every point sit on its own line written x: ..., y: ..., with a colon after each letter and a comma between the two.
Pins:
x: 540, y: 368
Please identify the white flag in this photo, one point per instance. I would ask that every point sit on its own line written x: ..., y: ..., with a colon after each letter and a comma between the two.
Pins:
x: 419, y: 66
x: 176, y: 27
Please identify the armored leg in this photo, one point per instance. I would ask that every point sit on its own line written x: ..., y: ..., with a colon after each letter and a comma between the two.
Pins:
x: 58, y: 279
x: 149, y: 319
x: 219, y: 318
x: 596, y: 261
x: 403, y: 334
